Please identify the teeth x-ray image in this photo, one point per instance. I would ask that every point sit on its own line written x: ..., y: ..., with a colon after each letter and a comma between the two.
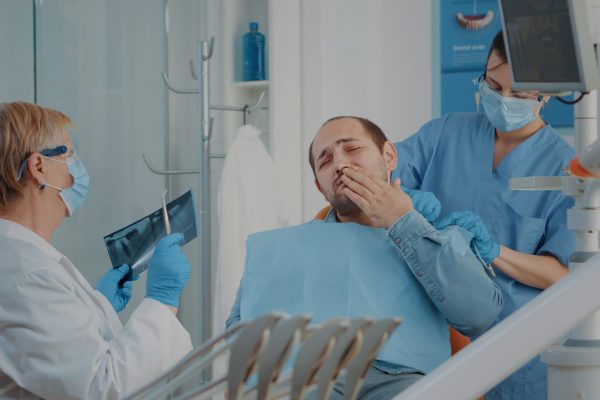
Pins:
x: 135, y: 243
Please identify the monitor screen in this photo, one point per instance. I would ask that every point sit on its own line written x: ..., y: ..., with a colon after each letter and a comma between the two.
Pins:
x: 541, y: 40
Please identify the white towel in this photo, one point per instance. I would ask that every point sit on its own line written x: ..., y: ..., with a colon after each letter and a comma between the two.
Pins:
x: 248, y: 201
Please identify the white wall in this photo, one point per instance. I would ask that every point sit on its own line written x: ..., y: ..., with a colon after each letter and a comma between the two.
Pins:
x: 16, y: 42
x: 100, y: 63
x: 367, y: 58
x: 285, y: 104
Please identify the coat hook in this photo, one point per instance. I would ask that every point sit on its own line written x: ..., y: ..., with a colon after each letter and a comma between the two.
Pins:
x: 193, y: 70
x: 210, y: 128
x: 176, y: 90
x: 258, y: 102
x: 210, y: 49
x: 165, y: 172
x: 244, y: 111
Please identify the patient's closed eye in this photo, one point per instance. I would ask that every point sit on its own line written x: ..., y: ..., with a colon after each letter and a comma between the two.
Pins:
x: 325, y: 163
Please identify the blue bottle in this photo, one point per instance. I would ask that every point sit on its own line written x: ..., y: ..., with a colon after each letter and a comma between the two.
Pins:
x: 254, y: 54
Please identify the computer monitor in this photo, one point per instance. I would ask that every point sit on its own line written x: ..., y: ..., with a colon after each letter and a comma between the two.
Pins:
x: 549, y: 45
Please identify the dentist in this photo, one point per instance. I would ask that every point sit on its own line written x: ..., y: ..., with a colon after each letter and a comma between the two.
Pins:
x: 59, y: 337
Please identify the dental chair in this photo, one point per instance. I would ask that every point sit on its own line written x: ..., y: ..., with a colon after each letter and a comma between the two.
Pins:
x: 259, y: 352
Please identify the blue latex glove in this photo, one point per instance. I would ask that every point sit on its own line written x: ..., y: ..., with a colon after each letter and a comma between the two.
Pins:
x: 108, y: 285
x: 168, y: 271
x: 425, y: 203
x: 481, y: 242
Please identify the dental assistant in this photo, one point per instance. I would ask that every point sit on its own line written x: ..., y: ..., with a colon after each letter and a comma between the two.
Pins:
x: 59, y: 337
x: 466, y: 160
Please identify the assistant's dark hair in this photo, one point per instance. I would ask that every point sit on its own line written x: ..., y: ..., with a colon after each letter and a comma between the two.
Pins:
x: 498, y: 47
x: 370, y: 127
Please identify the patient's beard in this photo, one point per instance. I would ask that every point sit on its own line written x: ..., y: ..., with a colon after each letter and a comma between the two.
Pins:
x: 344, y: 206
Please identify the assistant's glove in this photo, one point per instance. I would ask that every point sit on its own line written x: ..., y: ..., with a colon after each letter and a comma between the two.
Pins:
x: 168, y: 271
x: 108, y: 285
x: 481, y: 242
x: 425, y: 203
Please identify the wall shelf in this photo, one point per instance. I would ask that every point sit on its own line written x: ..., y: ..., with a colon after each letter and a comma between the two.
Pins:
x: 251, y: 84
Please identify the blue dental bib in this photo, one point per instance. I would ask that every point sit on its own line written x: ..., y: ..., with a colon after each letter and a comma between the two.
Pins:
x: 344, y: 269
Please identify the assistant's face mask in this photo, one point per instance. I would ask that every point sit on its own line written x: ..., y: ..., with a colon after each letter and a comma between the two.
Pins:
x: 74, y: 196
x: 506, y: 113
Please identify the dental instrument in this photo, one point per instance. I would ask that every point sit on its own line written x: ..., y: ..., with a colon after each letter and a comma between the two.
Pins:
x: 165, y: 214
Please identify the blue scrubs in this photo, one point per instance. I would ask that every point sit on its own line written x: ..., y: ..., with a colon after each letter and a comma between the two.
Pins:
x: 453, y: 158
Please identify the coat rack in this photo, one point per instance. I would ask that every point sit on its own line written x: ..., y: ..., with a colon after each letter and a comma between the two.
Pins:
x: 204, y: 207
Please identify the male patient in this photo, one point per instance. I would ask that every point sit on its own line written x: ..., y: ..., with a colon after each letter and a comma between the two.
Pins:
x: 373, y: 255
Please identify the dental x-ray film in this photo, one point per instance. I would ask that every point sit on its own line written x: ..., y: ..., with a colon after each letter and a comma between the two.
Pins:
x: 135, y: 243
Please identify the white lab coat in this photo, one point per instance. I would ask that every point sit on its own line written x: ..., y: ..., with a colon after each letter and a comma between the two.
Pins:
x: 248, y: 201
x: 61, y: 339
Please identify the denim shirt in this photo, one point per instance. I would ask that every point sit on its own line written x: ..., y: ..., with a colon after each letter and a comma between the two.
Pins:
x: 443, y: 283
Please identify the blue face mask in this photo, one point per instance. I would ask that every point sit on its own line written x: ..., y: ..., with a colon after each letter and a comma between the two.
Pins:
x: 74, y: 196
x: 507, y: 114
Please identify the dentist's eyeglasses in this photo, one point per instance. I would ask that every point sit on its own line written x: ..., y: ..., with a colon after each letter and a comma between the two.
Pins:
x: 56, y: 151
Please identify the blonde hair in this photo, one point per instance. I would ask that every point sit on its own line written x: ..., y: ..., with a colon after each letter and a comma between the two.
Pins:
x: 25, y: 128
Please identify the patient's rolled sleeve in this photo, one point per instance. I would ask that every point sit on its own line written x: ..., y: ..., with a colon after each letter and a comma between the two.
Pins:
x: 407, y: 230
x: 234, y: 315
x: 448, y: 271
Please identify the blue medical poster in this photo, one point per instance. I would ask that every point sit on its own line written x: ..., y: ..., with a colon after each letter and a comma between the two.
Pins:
x: 467, y: 30
x: 460, y: 92
x: 557, y: 114
x: 135, y: 243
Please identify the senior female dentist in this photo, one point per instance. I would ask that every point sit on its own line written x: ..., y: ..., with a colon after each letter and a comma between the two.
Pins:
x: 466, y: 160
x: 59, y: 337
